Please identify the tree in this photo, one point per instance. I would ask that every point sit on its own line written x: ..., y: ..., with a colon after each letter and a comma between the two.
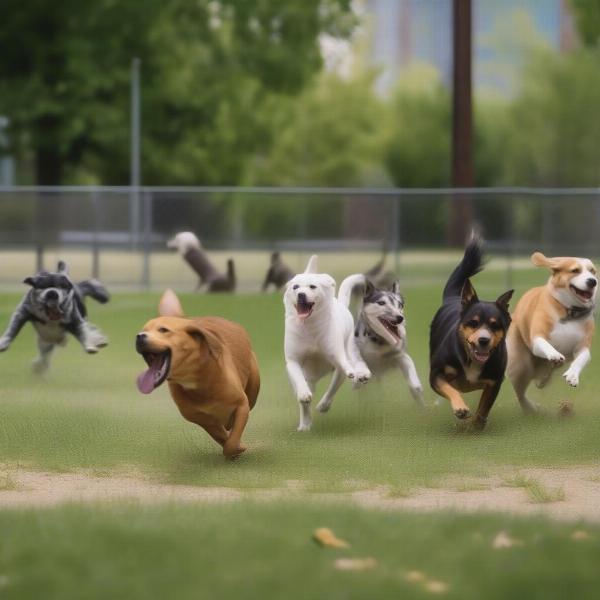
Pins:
x: 587, y: 18
x: 209, y: 68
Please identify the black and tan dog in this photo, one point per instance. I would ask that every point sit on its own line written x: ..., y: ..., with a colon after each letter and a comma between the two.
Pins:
x: 467, y: 344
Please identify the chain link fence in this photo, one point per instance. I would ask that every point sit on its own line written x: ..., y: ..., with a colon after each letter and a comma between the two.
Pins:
x: 119, y: 234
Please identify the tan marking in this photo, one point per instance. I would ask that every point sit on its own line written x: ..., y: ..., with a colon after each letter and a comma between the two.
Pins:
x: 446, y: 390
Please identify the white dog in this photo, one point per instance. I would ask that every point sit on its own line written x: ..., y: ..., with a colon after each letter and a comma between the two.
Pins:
x: 319, y: 338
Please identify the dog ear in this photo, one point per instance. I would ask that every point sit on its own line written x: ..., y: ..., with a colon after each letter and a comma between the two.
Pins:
x: 62, y: 267
x: 539, y: 260
x: 213, y: 344
x: 312, y: 265
x: 396, y: 288
x: 468, y: 295
x: 30, y: 281
x: 328, y: 282
x: 504, y: 299
x: 169, y: 305
x: 369, y: 288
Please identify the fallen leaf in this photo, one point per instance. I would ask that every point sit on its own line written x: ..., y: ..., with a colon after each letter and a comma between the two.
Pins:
x: 436, y: 587
x: 355, y: 564
x: 503, y: 540
x: 415, y: 576
x: 566, y: 408
x: 580, y: 534
x: 327, y: 538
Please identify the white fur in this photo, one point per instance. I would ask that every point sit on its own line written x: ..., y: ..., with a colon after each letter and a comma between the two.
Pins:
x: 184, y: 242
x: 319, y: 343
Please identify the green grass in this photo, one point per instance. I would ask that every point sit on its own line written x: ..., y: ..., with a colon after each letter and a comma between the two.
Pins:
x: 537, y: 492
x: 87, y: 412
x: 248, y: 551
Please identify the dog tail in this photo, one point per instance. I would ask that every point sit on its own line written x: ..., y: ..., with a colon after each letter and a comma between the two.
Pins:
x: 94, y: 289
x: 471, y: 264
x: 348, y: 285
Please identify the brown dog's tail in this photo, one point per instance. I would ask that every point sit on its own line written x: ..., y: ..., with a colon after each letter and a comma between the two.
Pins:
x: 169, y: 305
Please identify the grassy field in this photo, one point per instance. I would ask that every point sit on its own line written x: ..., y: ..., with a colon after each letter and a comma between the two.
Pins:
x: 87, y: 413
x: 266, y: 551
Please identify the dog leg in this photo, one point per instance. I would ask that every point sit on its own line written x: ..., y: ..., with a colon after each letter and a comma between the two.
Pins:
x: 409, y: 370
x: 89, y: 336
x: 42, y: 362
x: 327, y: 399
x: 303, y: 393
x: 362, y: 372
x: 544, y: 349
x: 572, y: 373
x: 520, y: 382
x: 443, y: 388
x: 18, y: 319
x: 488, y: 397
x: 233, y: 446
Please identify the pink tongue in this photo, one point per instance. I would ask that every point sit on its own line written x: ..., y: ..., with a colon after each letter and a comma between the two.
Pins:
x: 145, y: 381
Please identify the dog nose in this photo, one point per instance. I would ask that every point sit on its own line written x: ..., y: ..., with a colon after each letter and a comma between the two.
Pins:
x: 140, y: 340
x: 484, y: 341
x: 399, y: 319
x: 51, y: 295
x: 302, y: 297
x: 591, y: 282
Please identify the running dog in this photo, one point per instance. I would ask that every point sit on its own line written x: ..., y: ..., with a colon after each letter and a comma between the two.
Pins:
x: 210, y: 367
x: 467, y: 344
x: 380, y: 331
x: 55, y: 306
x: 553, y: 324
x: 189, y: 247
x: 319, y: 338
x: 278, y: 273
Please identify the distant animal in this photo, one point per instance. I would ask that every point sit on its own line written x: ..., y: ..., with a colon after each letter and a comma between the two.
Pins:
x: 190, y: 248
x: 278, y: 273
x: 553, y: 325
x: 55, y: 306
x: 467, y: 343
x: 380, y: 331
x: 319, y: 338
x: 210, y: 367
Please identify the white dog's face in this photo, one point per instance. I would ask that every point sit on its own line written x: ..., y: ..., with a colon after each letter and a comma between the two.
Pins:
x: 308, y: 292
x: 184, y: 242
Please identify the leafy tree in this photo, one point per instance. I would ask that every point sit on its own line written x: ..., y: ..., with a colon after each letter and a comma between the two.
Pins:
x: 587, y: 18
x: 209, y: 71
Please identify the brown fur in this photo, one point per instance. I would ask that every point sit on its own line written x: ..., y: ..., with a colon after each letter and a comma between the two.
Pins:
x: 214, y: 377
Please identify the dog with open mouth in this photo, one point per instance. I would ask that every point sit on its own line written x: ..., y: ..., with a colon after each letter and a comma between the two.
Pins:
x: 380, y: 331
x: 553, y: 325
x: 55, y: 305
x: 209, y: 366
x: 319, y: 338
x: 467, y: 343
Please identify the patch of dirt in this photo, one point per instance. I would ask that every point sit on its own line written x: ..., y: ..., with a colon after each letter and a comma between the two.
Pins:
x: 505, y: 491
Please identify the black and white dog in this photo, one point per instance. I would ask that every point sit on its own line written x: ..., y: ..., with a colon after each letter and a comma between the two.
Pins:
x: 55, y: 306
x: 380, y: 331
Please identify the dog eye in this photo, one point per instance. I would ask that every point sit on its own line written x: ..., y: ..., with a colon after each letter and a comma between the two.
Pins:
x: 495, y: 326
x: 295, y: 287
x: 312, y: 287
x: 163, y: 330
x: 381, y: 303
x: 473, y: 323
x: 575, y: 270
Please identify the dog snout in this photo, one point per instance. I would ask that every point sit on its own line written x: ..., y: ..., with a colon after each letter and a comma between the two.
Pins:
x: 302, y: 298
x: 51, y: 295
x: 484, y: 341
x: 399, y: 319
x: 140, y: 341
x: 592, y: 283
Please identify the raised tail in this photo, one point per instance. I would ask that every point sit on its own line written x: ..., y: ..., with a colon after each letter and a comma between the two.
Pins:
x: 94, y: 289
x: 348, y: 285
x: 471, y: 264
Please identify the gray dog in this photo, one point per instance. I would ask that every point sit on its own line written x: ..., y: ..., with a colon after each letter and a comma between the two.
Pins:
x: 55, y: 306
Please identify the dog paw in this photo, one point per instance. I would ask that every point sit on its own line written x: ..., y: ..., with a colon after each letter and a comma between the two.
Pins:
x: 232, y: 451
x: 324, y: 406
x: 303, y: 427
x: 571, y: 377
x: 350, y: 374
x: 462, y: 413
x: 4, y: 343
x: 305, y: 397
x: 556, y: 358
x: 39, y: 366
x: 92, y: 349
x: 363, y: 376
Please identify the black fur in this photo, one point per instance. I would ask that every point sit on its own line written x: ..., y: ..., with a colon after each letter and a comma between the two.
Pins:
x: 447, y: 348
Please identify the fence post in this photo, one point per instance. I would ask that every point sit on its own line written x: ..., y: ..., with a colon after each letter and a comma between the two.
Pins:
x: 396, y: 241
x: 95, y: 248
x: 147, y: 216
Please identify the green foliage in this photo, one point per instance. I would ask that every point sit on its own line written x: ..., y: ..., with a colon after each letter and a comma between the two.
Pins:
x: 208, y: 71
x: 587, y: 17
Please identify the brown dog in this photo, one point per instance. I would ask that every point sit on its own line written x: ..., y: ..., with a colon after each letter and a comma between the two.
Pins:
x: 209, y: 365
x: 552, y: 325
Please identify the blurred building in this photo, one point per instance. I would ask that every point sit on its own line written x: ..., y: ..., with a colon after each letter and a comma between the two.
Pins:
x: 404, y: 32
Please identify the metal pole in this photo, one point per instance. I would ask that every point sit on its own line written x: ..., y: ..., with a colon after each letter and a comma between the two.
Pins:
x: 95, y: 242
x: 135, y: 172
x: 147, y: 211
